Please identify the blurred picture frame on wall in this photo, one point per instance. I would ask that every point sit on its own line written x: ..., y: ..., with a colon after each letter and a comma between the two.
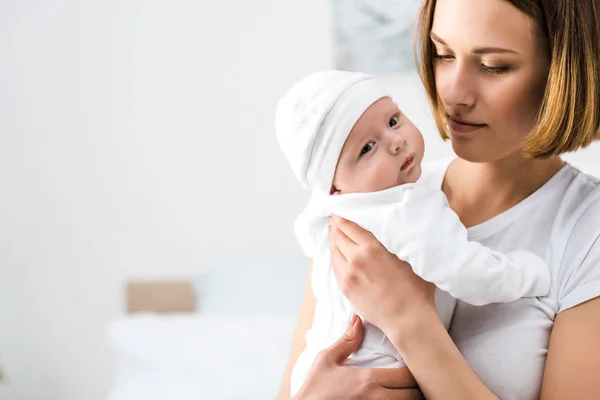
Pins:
x: 374, y: 36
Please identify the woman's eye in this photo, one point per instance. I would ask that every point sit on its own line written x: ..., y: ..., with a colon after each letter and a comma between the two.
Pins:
x: 394, y: 121
x: 367, y: 148
x: 444, y: 57
x: 495, y: 70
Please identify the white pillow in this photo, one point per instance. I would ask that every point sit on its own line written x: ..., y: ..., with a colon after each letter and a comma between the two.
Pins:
x: 253, y: 286
x: 195, y: 357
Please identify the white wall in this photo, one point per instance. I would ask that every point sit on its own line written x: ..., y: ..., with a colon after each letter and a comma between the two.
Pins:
x: 64, y: 153
x: 136, y: 140
x: 205, y: 157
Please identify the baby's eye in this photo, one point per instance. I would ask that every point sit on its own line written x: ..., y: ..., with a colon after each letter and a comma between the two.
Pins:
x: 394, y: 121
x: 367, y: 148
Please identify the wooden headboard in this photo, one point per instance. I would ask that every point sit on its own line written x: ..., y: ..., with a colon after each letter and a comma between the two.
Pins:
x: 160, y: 297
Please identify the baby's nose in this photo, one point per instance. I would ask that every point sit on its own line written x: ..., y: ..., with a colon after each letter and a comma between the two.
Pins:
x: 397, y: 144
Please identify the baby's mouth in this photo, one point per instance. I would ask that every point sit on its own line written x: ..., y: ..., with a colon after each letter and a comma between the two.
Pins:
x: 407, y: 163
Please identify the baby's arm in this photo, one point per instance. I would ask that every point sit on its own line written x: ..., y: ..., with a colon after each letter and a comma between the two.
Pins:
x: 424, y: 231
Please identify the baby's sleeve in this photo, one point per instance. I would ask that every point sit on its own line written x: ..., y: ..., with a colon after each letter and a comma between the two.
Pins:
x: 424, y: 231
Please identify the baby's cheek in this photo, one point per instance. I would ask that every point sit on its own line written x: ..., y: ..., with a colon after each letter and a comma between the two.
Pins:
x: 385, y: 177
x: 415, y: 174
x: 419, y: 144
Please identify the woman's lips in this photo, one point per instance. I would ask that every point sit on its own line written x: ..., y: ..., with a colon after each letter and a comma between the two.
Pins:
x: 463, y: 127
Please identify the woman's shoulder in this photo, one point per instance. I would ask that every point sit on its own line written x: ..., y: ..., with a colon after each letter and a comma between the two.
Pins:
x: 579, y: 195
x: 585, y: 180
x: 570, y: 200
x: 577, y: 230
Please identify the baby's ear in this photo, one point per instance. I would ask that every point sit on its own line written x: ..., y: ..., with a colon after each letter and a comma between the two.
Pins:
x: 334, y: 190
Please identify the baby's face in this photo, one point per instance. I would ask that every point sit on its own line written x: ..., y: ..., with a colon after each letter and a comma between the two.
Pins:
x: 383, y: 150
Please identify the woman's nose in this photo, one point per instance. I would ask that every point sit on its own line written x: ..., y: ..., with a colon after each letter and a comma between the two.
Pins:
x: 456, y: 85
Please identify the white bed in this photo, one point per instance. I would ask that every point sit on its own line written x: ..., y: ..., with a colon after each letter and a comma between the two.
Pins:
x: 232, y: 343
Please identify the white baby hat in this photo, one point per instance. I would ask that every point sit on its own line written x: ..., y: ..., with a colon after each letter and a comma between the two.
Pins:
x: 314, y: 118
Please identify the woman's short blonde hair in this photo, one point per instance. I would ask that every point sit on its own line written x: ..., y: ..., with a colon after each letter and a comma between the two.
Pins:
x: 569, y: 115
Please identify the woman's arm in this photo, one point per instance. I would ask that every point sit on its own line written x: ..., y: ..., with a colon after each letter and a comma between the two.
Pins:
x: 305, y: 317
x: 367, y: 274
x: 573, y: 360
x: 433, y: 358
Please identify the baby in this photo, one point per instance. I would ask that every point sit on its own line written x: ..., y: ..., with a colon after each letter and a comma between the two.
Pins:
x: 348, y: 142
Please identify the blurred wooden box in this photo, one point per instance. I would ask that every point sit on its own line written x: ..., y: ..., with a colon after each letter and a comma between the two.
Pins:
x: 160, y: 297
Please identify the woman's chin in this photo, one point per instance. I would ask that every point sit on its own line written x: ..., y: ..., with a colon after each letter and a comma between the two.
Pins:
x: 474, y: 152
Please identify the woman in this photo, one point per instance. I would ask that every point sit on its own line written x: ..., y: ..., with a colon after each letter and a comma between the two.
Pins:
x: 513, y: 84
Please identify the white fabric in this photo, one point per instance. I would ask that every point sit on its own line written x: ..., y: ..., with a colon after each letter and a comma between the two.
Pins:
x: 193, y: 357
x: 415, y: 222
x: 506, y: 343
x: 313, y: 120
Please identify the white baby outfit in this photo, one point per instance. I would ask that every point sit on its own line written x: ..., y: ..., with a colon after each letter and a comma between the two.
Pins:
x: 412, y: 221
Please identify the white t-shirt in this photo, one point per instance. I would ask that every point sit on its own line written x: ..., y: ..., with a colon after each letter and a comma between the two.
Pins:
x: 506, y: 344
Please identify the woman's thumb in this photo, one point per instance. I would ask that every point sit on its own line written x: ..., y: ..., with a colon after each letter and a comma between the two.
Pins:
x: 347, y: 344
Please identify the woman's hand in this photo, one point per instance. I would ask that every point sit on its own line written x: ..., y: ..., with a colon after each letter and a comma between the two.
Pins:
x: 330, y: 379
x: 381, y: 287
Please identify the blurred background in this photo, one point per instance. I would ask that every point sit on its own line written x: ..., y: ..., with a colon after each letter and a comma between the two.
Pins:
x: 137, y: 143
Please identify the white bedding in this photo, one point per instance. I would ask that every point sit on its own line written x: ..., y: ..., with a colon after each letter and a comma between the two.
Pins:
x: 181, y: 357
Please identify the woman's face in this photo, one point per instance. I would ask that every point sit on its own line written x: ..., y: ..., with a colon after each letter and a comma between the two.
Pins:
x: 490, y: 71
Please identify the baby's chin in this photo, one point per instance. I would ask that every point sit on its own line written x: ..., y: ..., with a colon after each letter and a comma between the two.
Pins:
x: 412, y: 176
x: 417, y: 172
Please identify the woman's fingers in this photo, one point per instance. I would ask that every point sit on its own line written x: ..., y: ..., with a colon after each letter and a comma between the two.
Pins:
x: 338, y: 352
x: 328, y: 378
x: 353, y: 231
x: 344, y: 244
x: 336, y: 255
